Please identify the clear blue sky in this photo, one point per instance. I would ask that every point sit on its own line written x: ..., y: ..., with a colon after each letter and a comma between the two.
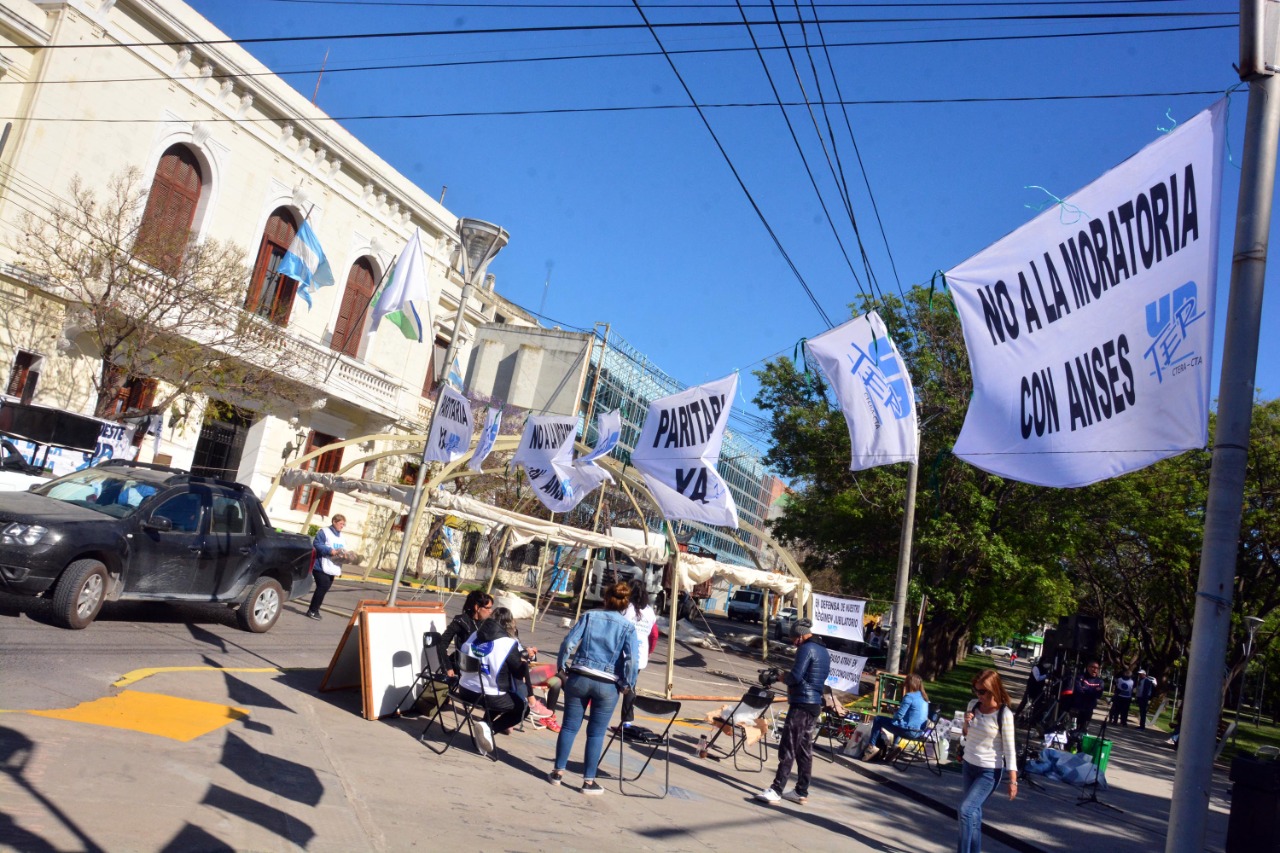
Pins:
x: 638, y: 218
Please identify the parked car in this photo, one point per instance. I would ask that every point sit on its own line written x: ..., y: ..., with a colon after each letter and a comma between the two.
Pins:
x: 127, y: 531
x: 782, y: 623
x: 1000, y: 651
x: 746, y: 604
x: 980, y: 648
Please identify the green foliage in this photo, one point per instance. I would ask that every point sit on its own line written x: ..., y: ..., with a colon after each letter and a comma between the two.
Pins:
x: 986, y: 549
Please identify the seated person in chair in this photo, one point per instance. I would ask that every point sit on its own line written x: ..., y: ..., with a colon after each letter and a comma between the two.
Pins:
x: 909, y: 722
x: 493, y: 662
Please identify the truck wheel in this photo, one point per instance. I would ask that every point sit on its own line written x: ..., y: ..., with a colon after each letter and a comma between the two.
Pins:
x: 261, y: 607
x: 80, y: 593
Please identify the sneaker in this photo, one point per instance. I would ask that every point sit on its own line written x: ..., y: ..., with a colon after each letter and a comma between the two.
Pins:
x: 792, y: 797
x: 770, y: 796
x: 870, y: 752
x: 484, y: 738
x: 311, y: 615
x: 537, y: 710
x: 552, y: 724
x: 592, y: 788
x: 555, y: 777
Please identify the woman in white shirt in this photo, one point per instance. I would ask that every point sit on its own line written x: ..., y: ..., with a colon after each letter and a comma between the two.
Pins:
x: 989, y: 753
x: 642, y: 615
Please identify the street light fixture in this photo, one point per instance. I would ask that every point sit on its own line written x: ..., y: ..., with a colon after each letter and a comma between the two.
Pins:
x: 481, y: 242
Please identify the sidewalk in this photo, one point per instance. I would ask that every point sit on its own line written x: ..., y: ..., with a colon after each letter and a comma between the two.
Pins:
x: 303, y: 770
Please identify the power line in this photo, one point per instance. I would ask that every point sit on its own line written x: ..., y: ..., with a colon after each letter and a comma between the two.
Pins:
x: 562, y: 28
x: 628, y: 109
x: 427, y: 4
x: 729, y: 161
x: 398, y: 66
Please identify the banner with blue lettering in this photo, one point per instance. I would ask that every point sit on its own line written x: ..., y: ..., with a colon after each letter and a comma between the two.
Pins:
x: 679, y: 449
x: 450, y: 434
x: 872, y: 385
x: 546, y: 452
x: 488, y: 435
x: 1090, y: 328
x: 608, y: 434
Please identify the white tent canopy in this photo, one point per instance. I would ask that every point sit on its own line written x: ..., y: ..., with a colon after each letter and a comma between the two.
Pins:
x: 694, y: 570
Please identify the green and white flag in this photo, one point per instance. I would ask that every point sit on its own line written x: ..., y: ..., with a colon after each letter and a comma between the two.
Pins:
x: 405, y: 293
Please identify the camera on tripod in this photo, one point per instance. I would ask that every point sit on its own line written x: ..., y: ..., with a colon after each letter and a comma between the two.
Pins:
x: 768, y: 677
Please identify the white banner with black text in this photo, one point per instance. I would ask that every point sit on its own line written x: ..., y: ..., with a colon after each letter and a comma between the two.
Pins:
x: 679, y: 449
x: 838, y: 617
x: 451, y: 428
x: 1090, y: 328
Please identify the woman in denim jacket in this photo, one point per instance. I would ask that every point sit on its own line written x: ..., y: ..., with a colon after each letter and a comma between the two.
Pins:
x: 600, y: 656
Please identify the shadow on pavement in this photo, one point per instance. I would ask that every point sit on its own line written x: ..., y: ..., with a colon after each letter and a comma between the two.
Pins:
x: 193, y: 838
x: 255, y: 811
x: 278, y: 776
x: 15, y: 753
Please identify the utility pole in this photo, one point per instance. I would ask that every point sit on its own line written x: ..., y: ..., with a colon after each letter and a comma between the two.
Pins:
x: 893, y: 662
x: 1189, y: 808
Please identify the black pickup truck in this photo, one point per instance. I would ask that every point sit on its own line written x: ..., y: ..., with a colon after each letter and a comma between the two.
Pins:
x: 128, y: 531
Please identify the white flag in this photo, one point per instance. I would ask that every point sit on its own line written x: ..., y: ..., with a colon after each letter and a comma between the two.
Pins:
x: 450, y: 434
x: 863, y: 367
x: 546, y: 452
x: 1090, y: 335
x: 679, y: 449
x: 608, y: 434
x: 492, y: 424
x: 405, y: 293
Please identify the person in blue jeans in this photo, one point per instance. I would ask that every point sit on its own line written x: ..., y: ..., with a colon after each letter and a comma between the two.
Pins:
x: 989, y: 754
x: 908, y: 722
x: 600, y: 656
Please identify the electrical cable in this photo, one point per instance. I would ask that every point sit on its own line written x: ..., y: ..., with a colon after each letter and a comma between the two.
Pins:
x: 562, y: 28
x: 220, y: 76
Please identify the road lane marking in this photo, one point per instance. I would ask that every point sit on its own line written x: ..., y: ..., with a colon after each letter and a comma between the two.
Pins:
x: 137, y: 675
x: 151, y: 713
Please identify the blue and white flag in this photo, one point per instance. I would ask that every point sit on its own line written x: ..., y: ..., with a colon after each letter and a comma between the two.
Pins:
x: 306, y: 263
x: 488, y: 435
x: 608, y: 434
x: 865, y: 371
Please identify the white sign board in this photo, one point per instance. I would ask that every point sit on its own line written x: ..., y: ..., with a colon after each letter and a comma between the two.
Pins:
x: 872, y: 385
x: 1090, y: 328
x: 846, y: 672
x: 838, y: 617
x: 488, y: 435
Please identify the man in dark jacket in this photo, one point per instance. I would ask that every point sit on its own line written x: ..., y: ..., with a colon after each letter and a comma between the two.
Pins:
x: 804, y: 683
x: 1087, y: 693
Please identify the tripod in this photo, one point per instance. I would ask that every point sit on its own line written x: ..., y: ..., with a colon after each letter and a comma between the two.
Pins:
x: 1025, y: 755
x: 1092, y: 798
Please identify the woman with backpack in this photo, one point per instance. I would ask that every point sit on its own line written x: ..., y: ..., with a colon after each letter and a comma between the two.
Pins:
x: 989, y: 754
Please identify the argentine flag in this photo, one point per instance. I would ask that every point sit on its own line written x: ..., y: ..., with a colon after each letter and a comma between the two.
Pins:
x: 305, y: 262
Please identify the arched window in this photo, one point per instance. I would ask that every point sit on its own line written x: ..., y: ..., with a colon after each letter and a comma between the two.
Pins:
x: 171, y: 209
x: 271, y: 294
x: 354, y: 310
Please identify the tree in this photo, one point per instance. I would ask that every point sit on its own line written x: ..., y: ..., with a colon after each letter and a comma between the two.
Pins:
x: 986, y: 549
x: 156, y: 308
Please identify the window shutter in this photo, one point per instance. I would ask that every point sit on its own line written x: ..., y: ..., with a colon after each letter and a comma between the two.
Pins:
x: 171, y: 209
x: 354, y: 309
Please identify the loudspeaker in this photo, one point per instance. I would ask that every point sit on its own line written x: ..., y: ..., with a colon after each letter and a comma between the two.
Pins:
x: 1080, y: 634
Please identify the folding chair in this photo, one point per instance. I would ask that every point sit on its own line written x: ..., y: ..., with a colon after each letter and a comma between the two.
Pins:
x: 433, y: 671
x: 755, y: 701
x: 923, y: 748
x: 657, y: 708
x: 834, y: 724
x: 456, y: 701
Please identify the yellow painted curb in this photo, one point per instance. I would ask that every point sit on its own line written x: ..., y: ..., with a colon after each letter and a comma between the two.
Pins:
x: 138, y: 674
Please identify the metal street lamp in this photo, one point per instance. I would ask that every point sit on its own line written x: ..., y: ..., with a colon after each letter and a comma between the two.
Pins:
x: 481, y: 242
x: 1253, y: 623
